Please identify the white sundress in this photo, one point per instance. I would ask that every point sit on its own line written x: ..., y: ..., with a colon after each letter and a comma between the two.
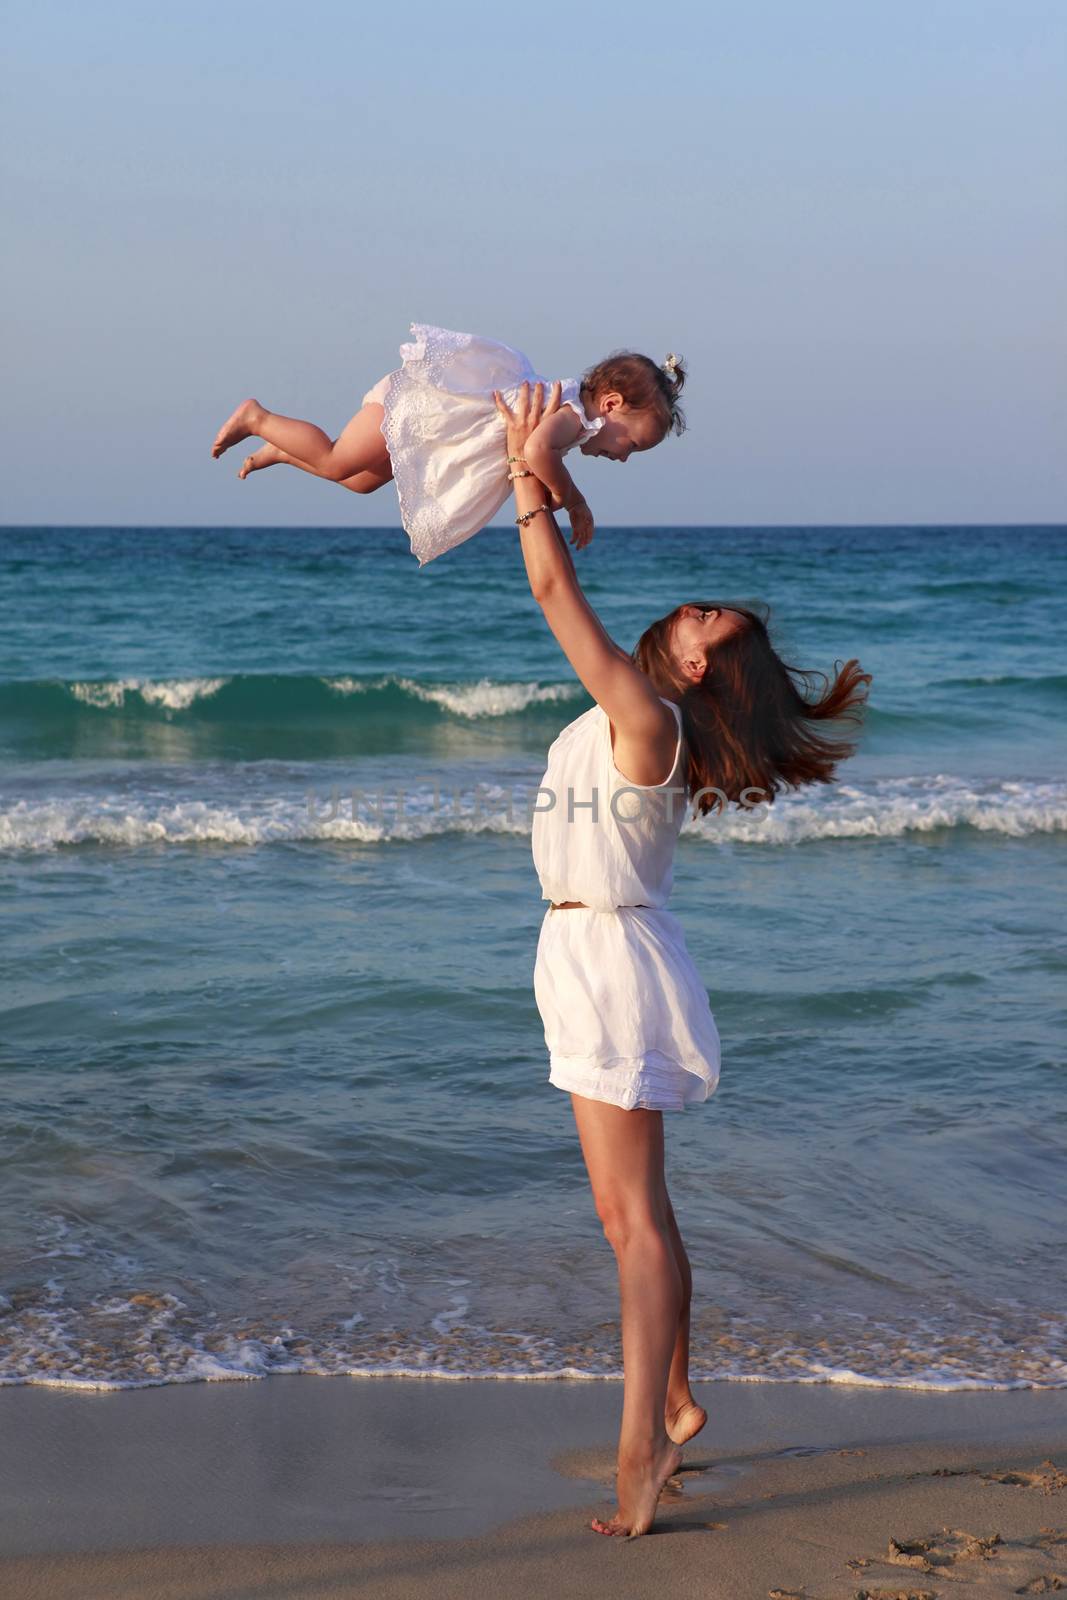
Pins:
x: 625, y: 1013
x: 445, y: 437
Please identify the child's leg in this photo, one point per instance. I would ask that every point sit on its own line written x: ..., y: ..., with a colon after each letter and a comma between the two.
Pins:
x: 268, y: 455
x: 359, y: 448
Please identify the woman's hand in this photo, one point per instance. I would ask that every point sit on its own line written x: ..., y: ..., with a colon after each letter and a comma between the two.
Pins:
x: 528, y: 412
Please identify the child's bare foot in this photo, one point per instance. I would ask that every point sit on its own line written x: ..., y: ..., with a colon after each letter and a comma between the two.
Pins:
x: 638, y: 1486
x: 268, y: 455
x: 241, y: 425
x: 685, y: 1420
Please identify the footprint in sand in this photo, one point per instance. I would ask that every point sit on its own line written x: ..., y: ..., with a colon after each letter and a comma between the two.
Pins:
x: 912, y: 1553
x: 896, y: 1594
x: 949, y: 1555
x: 1049, y: 1478
x: 943, y: 1550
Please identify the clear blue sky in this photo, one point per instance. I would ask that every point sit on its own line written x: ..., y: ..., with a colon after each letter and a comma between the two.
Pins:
x: 849, y: 215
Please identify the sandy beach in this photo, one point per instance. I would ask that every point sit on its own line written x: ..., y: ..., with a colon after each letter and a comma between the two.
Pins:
x: 400, y: 1487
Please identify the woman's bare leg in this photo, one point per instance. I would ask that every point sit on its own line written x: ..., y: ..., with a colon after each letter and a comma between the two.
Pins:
x: 360, y: 447
x: 684, y: 1417
x: 623, y: 1153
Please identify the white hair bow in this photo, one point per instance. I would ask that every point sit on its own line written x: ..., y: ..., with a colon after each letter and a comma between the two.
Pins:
x: 670, y: 364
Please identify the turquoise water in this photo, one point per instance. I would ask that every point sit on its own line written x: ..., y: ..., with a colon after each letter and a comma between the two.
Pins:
x: 275, y: 1085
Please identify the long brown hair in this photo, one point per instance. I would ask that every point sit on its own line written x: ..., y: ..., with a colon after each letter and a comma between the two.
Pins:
x: 749, y: 730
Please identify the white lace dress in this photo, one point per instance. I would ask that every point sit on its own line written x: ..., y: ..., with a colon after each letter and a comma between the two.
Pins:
x: 445, y: 437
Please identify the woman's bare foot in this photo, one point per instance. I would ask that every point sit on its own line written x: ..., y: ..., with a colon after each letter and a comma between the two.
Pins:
x: 685, y: 1420
x: 682, y: 1421
x: 268, y: 455
x: 638, y: 1487
x: 242, y: 425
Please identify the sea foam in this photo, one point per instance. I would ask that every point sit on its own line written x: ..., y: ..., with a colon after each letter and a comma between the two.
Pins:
x: 884, y: 808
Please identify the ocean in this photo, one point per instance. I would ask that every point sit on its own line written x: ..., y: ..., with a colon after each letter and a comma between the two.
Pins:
x: 275, y: 1087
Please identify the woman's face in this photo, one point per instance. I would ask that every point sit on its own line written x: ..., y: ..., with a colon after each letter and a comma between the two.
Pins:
x: 697, y: 630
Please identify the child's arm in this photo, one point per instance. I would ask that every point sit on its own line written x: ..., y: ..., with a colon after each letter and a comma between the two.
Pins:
x: 544, y: 457
x: 544, y: 454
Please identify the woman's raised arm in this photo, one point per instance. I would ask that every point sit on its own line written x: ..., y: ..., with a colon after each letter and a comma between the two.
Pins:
x: 615, y: 682
x: 546, y: 555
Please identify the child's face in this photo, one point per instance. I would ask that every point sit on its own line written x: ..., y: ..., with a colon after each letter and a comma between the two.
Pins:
x: 624, y: 430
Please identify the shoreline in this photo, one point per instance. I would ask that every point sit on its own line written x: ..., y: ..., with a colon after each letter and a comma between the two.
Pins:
x: 404, y: 1487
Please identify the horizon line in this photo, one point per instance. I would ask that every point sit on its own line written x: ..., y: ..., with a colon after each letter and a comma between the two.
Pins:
x: 680, y: 527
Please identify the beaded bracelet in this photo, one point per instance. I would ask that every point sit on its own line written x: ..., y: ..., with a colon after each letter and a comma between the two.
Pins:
x: 520, y: 459
x: 526, y: 516
x: 513, y: 475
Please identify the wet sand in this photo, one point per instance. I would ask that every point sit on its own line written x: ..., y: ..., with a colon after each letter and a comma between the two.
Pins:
x: 310, y: 1488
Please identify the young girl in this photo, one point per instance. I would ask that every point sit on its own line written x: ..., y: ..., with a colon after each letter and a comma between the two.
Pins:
x: 433, y: 427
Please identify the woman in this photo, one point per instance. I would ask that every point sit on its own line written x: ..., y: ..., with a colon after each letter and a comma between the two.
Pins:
x: 703, y: 707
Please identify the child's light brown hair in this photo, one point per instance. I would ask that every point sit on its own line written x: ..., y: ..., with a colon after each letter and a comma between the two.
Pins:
x: 642, y: 384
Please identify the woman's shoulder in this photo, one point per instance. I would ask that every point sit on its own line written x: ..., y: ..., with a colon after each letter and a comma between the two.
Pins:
x: 674, y: 723
x: 619, y: 750
x: 675, y: 708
